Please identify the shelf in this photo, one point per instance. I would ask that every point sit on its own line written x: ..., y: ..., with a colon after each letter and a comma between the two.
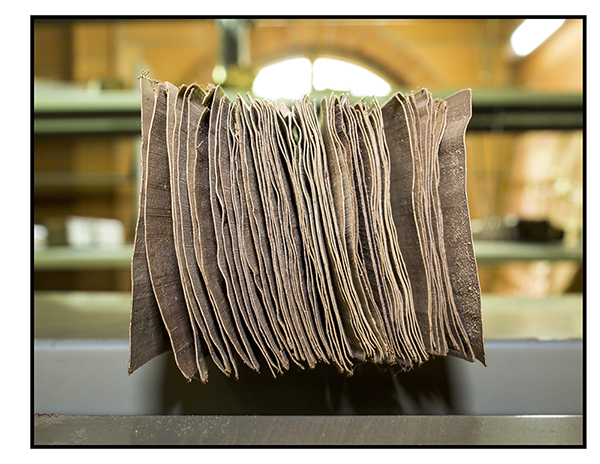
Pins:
x: 515, y: 110
x: 486, y: 252
x: 81, y: 315
x: 496, y: 252
x: 566, y: 430
x: 83, y: 111
x: 105, y: 315
x: 125, y: 125
x: 71, y: 258
x: 67, y: 100
x: 557, y: 317
x: 86, y: 111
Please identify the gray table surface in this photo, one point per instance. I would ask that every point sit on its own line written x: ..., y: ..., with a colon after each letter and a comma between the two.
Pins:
x: 308, y: 430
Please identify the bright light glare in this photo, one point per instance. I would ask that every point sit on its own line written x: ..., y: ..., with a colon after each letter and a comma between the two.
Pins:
x: 531, y: 33
x: 343, y: 76
x: 286, y: 79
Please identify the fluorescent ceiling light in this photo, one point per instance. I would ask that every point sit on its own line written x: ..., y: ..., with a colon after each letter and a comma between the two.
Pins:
x: 531, y: 33
x: 287, y: 79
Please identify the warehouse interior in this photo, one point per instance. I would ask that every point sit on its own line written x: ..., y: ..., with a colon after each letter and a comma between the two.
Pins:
x: 525, y: 158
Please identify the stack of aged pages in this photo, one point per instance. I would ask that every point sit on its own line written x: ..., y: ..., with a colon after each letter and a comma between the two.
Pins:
x: 277, y: 236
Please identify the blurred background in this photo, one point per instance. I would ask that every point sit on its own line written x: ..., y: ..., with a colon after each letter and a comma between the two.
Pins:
x: 524, y: 157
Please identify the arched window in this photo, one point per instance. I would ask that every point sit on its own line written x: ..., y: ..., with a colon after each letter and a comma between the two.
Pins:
x: 298, y: 76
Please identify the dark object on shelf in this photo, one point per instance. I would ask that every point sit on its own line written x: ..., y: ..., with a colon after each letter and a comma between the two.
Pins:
x: 511, y: 228
x: 265, y: 236
x: 538, y: 231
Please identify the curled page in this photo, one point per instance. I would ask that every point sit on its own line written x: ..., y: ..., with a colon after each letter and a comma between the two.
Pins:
x: 147, y: 334
x: 458, y: 237
x: 160, y: 242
